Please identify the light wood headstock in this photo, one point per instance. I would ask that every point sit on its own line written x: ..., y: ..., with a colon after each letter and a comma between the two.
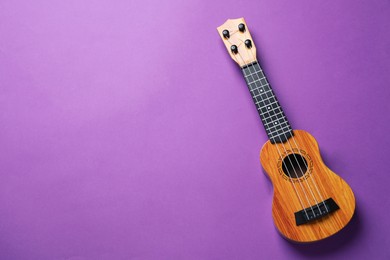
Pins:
x: 238, y: 41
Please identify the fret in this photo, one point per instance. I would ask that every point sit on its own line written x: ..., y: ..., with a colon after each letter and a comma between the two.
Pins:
x: 284, y: 130
x: 274, y: 115
x: 279, y: 113
x: 268, y: 107
x: 274, y: 122
x: 254, y: 65
x: 282, y: 133
x: 250, y: 74
x: 254, y: 73
x: 257, y: 80
x: 275, y: 125
x: 273, y: 119
x: 262, y: 93
x: 260, y: 89
x: 248, y: 71
x: 257, y: 88
x: 261, y: 85
x: 254, y: 84
x: 267, y: 99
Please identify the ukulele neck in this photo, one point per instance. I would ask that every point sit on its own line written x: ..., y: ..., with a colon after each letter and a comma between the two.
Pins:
x: 271, y: 114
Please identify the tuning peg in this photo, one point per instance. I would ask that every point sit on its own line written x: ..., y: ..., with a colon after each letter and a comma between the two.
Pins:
x: 241, y: 27
x: 226, y: 34
x: 234, y: 49
x: 248, y: 43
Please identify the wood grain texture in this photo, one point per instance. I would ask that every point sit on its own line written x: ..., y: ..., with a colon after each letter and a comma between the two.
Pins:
x: 318, y: 181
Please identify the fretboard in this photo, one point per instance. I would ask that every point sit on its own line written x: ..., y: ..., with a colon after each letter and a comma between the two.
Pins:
x: 275, y: 122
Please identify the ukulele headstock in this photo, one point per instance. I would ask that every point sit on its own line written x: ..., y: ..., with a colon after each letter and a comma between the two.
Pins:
x: 238, y: 41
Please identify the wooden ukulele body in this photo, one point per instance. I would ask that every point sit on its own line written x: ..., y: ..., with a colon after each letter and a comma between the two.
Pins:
x: 310, y: 201
x: 317, y: 179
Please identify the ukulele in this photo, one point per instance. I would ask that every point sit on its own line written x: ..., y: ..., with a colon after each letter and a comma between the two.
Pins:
x: 310, y: 202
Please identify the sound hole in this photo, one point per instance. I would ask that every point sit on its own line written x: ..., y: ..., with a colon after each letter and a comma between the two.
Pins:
x: 294, y: 165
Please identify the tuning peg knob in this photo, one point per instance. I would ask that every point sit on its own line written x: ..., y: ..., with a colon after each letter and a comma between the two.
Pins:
x: 226, y: 34
x: 248, y: 43
x: 234, y: 49
x: 241, y: 27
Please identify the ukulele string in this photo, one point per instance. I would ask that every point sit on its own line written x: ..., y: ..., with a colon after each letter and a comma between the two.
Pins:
x: 312, y: 179
x: 281, y: 156
x: 288, y: 172
x: 296, y: 160
x: 299, y: 151
x: 299, y: 165
x: 293, y: 155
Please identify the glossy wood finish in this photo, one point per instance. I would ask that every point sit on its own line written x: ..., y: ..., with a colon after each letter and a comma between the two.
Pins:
x: 317, y: 177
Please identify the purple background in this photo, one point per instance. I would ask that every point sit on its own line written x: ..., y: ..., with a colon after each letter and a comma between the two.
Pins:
x: 126, y: 132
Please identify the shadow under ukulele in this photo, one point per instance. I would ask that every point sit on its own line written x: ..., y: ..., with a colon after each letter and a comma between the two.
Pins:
x: 330, y: 247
